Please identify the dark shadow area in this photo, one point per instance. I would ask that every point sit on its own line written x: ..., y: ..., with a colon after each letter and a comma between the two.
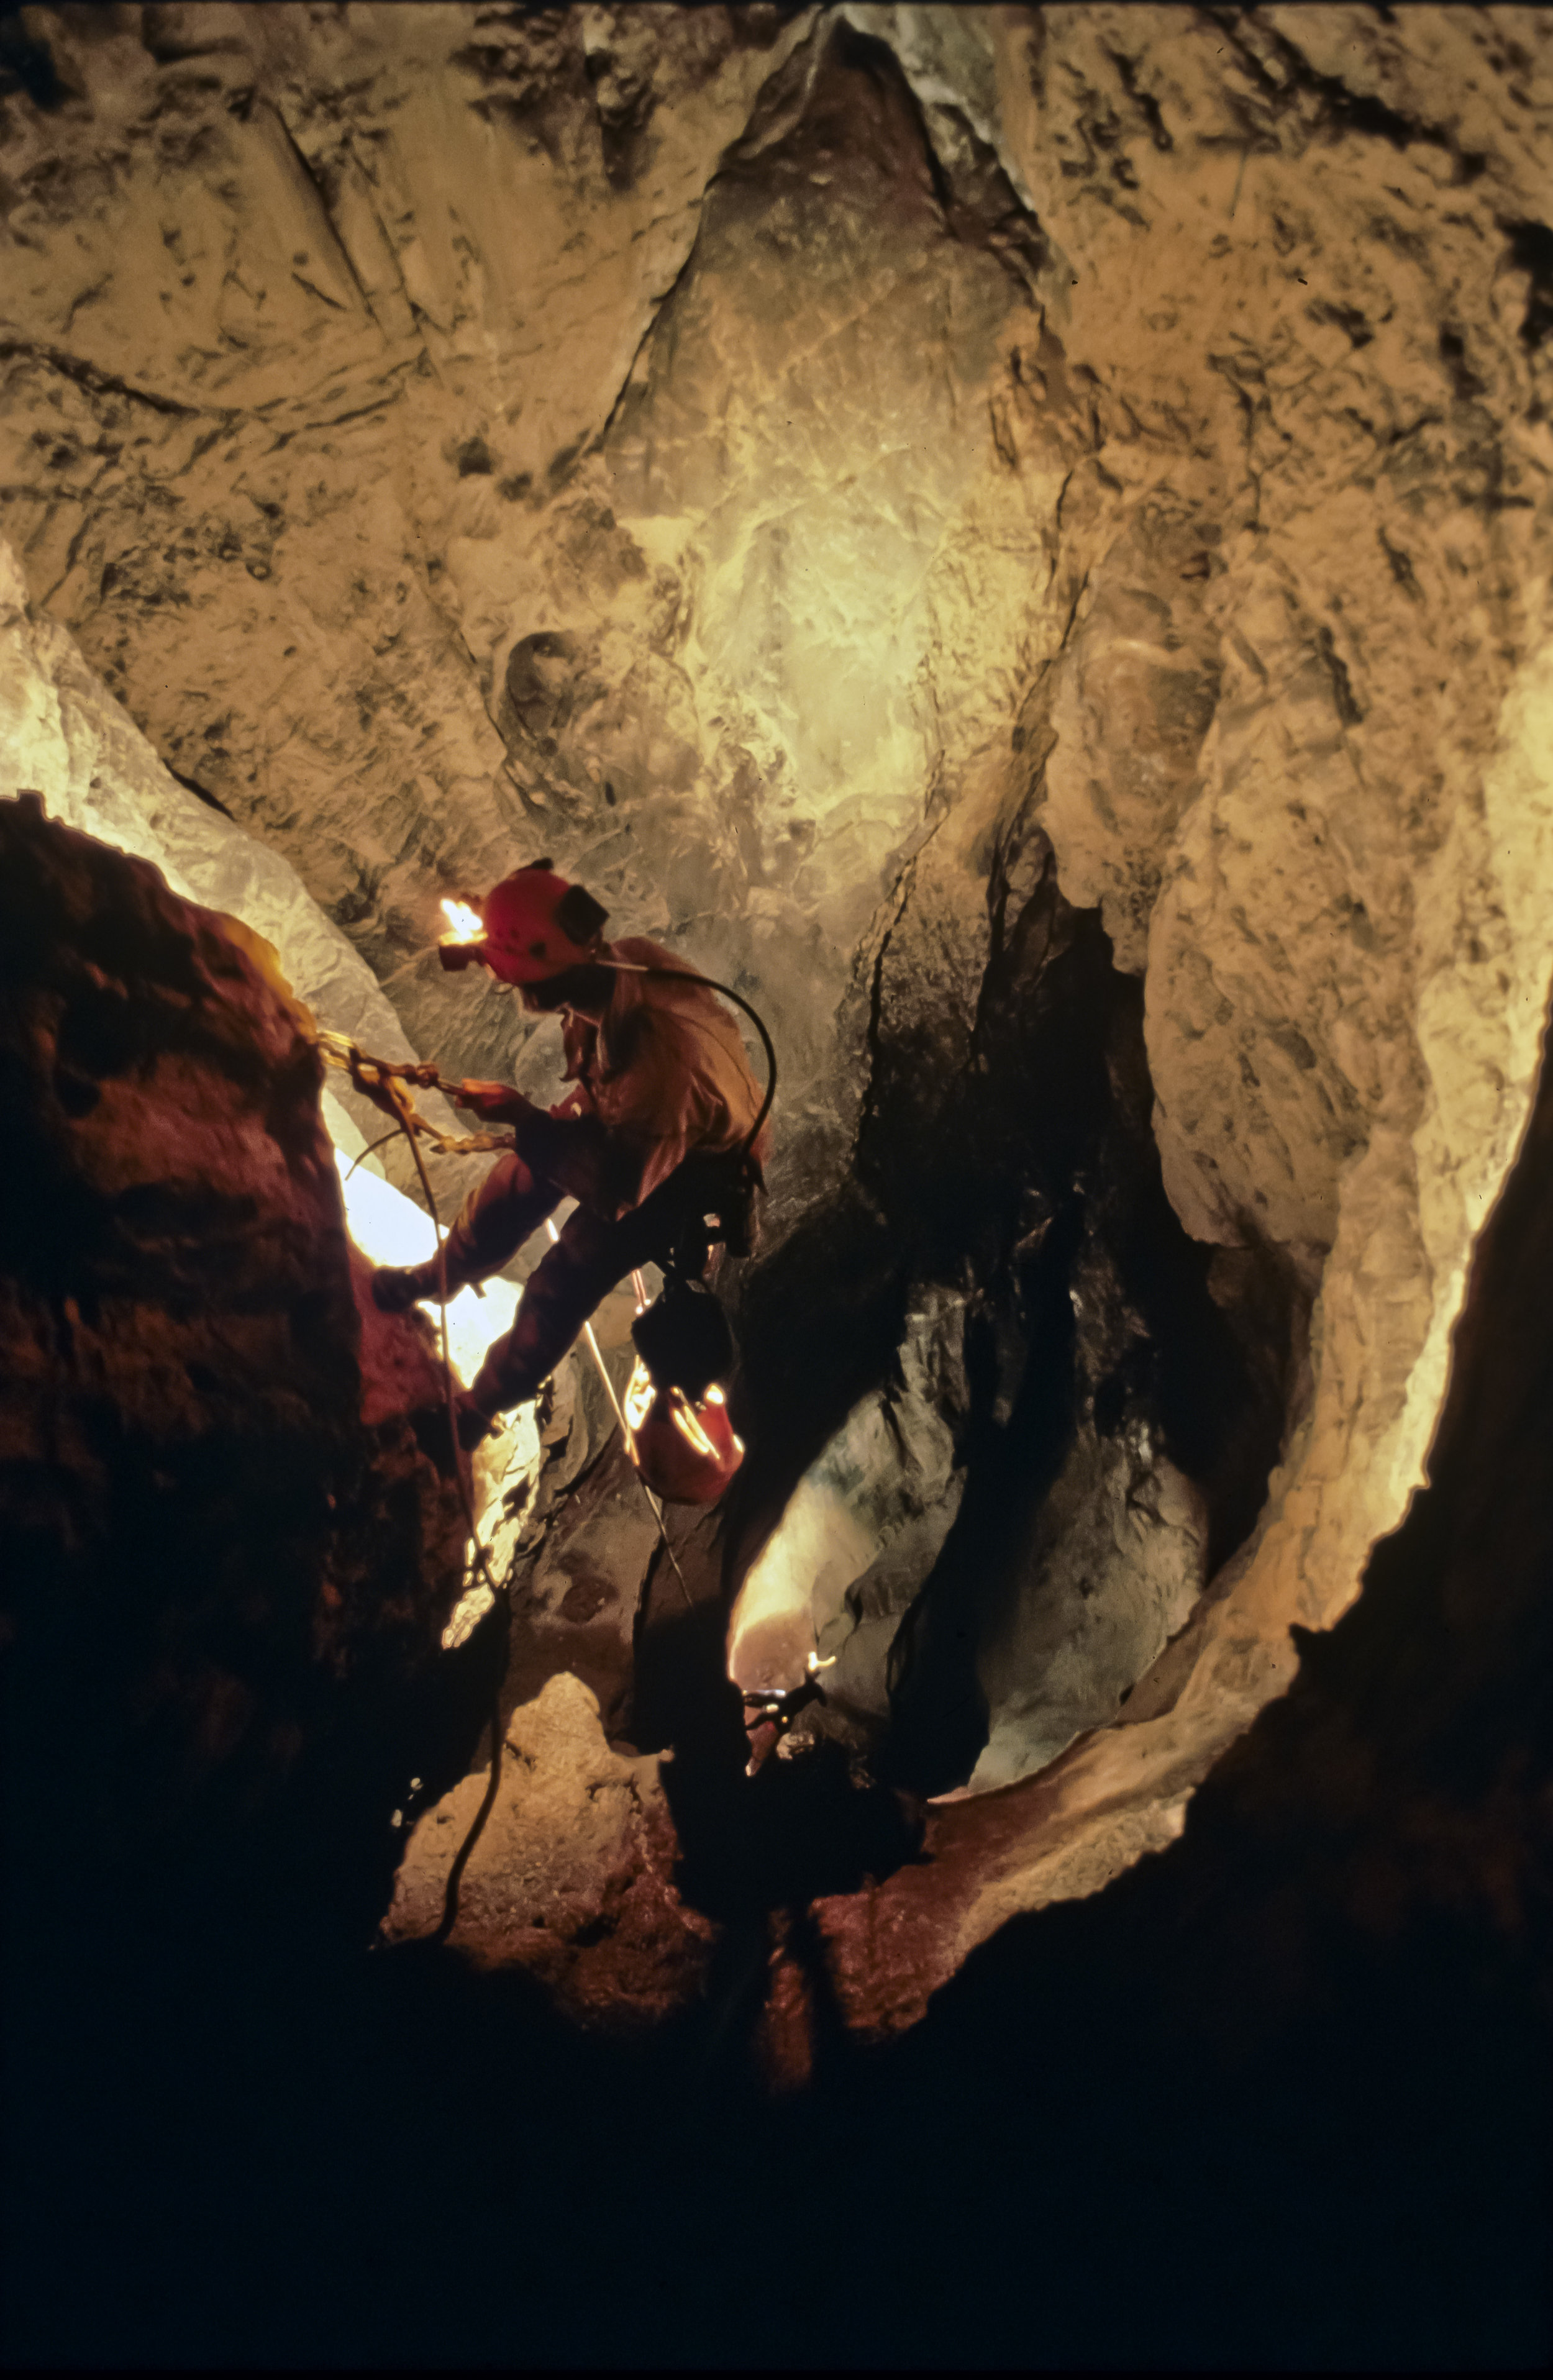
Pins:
x: 819, y: 1321
x: 1130, y: 2134
x: 1022, y: 1170
x: 794, y: 1832
x: 750, y: 1846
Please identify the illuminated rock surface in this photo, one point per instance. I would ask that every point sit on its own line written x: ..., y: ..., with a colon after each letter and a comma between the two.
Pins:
x: 1329, y: 1996
x: 62, y: 736
x: 571, y: 1877
x: 879, y: 438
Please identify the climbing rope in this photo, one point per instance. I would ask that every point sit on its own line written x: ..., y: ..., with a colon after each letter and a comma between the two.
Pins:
x: 386, y: 1083
x: 391, y: 1078
x: 654, y: 1507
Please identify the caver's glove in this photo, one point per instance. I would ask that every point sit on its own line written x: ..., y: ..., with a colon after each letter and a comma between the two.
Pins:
x: 493, y: 1102
x: 395, y: 1288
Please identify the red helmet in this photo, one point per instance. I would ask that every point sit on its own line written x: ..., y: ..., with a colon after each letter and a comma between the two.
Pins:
x: 537, y: 925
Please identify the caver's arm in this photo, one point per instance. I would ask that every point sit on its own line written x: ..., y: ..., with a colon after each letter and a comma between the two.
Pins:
x: 572, y: 1149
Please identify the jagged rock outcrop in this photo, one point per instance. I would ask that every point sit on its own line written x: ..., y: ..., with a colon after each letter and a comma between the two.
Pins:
x: 232, y: 1530
x: 800, y: 471
x: 65, y: 738
x: 1394, y: 1807
x: 571, y: 1880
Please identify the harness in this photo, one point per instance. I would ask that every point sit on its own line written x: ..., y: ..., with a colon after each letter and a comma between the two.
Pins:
x: 684, y: 1337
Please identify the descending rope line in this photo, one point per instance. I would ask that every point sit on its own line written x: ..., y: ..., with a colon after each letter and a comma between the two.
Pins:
x: 449, y: 1918
x: 628, y: 1434
x: 371, y: 1150
x: 390, y: 1092
x: 390, y: 1089
x: 707, y: 983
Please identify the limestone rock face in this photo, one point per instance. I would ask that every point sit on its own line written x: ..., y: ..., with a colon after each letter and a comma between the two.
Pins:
x: 1020, y: 536
x: 1340, y: 1039
x: 1076, y: 1436
x: 64, y: 736
x: 1115, y: 1568
x: 570, y: 1878
x: 861, y: 1531
x: 1398, y: 1792
x: 231, y: 1530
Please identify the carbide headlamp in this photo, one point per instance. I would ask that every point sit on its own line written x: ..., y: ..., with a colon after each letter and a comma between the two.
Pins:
x: 463, y: 943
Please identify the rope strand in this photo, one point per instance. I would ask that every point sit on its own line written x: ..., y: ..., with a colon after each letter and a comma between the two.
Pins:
x: 390, y: 1092
x: 456, y: 1874
x: 653, y: 1505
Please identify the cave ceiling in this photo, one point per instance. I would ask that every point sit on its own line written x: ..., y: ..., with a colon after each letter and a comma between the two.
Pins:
x: 1019, y: 537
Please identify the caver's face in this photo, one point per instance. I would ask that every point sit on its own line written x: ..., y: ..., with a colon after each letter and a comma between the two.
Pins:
x: 585, y: 988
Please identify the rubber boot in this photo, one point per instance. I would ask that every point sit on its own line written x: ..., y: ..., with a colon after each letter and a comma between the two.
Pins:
x: 395, y: 1288
x: 473, y: 1424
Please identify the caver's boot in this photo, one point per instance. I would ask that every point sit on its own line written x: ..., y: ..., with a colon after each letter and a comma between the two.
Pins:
x: 395, y: 1288
x: 472, y: 1423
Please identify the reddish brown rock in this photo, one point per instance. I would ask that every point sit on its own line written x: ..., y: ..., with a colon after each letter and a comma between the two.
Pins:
x: 571, y: 1877
x: 230, y: 1527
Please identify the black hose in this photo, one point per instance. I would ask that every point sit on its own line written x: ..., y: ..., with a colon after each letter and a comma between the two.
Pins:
x: 449, y: 1918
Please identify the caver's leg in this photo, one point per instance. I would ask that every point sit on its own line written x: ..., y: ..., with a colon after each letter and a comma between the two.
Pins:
x: 570, y: 1282
x: 566, y: 1286
x: 493, y: 1224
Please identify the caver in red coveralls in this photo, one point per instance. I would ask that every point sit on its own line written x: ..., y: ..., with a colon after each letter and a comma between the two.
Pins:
x: 650, y: 1140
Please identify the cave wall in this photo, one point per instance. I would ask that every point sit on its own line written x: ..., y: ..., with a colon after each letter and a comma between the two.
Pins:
x: 1312, y: 2036
x: 65, y: 738
x: 231, y: 1526
x: 775, y: 463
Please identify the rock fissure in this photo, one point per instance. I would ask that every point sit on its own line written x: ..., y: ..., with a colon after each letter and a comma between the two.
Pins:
x: 91, y: 377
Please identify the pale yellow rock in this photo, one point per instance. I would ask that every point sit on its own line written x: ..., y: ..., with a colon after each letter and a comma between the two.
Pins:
x: 565, y: 1826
